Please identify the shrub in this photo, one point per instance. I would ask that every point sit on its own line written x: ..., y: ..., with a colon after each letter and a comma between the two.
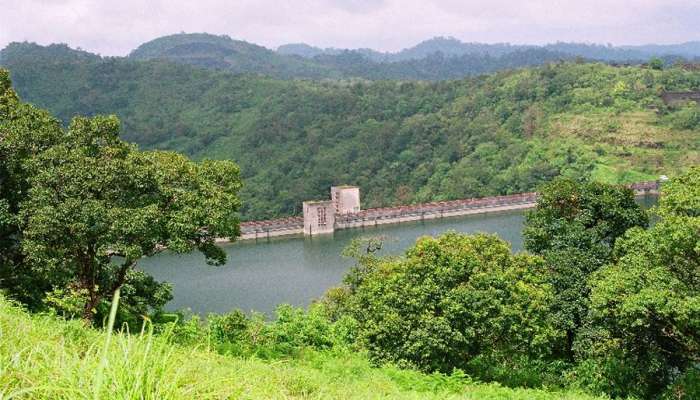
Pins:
x: 687, y: 117
x: 451, y: 299
x: 230, y: 327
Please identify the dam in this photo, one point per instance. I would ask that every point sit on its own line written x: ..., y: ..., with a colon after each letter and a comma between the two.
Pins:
x: 343, y: 211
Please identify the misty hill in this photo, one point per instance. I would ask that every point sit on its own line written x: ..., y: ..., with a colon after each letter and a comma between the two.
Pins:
x: 451, y: 47
x: 446, y: 46
x: 400, y: 141
x: 303, y: 61
x: 435, y: 59
x: 54, y: 53
x: 222, y: 52
x: 305, y: 50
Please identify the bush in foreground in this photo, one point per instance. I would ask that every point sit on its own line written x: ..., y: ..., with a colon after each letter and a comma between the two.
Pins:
x: 42, y: 357
x: 455, y: 301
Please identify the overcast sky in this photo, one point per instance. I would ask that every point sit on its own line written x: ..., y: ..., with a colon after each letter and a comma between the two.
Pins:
x: 118, y: 26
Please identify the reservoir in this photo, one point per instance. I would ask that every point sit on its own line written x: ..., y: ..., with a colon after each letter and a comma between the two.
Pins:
x: 261, y: 274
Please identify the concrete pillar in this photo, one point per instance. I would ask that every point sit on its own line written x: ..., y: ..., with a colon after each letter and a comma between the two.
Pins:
x: 346, y: 199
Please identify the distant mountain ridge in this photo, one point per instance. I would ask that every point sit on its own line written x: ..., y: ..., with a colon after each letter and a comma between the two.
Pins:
x: 450, y: 46
x: 436, y: 59
x: 240, y: 57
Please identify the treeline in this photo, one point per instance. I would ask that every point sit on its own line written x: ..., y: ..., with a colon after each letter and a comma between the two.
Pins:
x: 401, y: 142
x: 434, y: 59
x: 449, y: 47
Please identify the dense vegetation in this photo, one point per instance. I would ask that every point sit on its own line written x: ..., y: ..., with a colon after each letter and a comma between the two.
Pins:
x: 80, y: 207
x: 602, y: 303
x: 401, y: 142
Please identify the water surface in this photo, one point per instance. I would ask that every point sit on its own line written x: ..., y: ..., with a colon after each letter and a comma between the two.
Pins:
x: 261, y: 274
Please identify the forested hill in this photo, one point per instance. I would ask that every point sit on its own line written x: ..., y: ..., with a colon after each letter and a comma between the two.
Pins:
x: 402, y: 142
x: 435, y: 59
x: 449, y: 46
x: 222, y: 52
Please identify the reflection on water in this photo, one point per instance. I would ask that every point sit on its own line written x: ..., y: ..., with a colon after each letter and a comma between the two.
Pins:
x: 260, y: 275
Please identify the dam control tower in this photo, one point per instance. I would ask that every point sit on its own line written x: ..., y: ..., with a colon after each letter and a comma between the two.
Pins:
x: 319, y: 216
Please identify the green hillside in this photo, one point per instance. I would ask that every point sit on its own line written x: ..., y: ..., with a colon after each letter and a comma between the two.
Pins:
x: 222, y: 52
x: 43, y: 357
x: 401, y: 142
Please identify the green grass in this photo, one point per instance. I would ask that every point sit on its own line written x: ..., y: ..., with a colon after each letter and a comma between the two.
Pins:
x: 43, y: 357
x: 633, y: 146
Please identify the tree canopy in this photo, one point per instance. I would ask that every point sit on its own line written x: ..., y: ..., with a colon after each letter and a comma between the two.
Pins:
x: 91, y: 205
x: 645, y: 306
x: 574, y: 227
x: 452, y: 302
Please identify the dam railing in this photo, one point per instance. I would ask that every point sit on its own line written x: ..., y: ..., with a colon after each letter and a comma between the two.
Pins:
x: 434, y: 209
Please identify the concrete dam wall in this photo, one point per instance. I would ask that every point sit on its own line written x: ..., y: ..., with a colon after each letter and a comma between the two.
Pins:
x: 326, y: 216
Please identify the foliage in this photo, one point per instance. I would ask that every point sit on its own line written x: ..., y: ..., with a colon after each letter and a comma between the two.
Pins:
x: 43, y: 357
x: 292, y: 332
x: 681, y: 195
x: 452, y: 301
x: 25, y: 131
x: 402, y: 142
x: 687, y: 117
x: 645, y: 306
x: 574, y: 227
x: 656, y: 63
x: 85, y: 206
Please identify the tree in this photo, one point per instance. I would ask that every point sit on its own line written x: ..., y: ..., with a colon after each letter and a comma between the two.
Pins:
x: 96, y: 205
x: 645, y: 306
x: 453, y: 299
x: 656, y: 63
x: 681, y: 195
x: 574, y: 227
x: 25, y: 131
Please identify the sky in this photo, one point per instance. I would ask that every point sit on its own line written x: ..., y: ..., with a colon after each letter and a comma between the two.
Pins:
x: 116, y: 27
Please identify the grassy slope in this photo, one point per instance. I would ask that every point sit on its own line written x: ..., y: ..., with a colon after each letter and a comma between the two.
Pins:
x: 42, y: 357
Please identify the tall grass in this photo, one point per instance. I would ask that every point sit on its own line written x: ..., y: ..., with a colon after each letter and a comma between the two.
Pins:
x: 43, y: 357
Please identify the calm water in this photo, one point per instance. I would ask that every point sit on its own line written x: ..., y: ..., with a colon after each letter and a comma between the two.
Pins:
x: 260, y: 275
